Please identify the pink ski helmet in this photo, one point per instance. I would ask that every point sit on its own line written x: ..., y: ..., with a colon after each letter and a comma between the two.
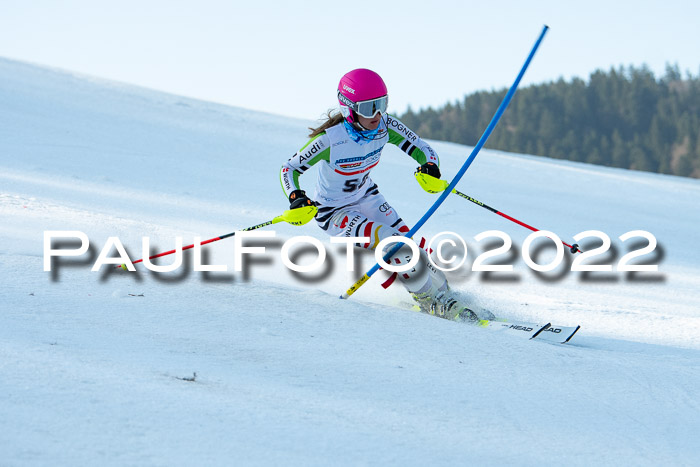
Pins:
x: 362, y: 92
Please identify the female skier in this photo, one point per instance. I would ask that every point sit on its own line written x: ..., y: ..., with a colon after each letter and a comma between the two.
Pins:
x: 348, y: 145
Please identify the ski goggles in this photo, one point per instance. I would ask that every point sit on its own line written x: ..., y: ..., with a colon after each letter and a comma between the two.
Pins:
x: 368, y: 108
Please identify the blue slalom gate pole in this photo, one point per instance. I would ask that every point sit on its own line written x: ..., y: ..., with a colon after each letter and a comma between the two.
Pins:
x: 489, y: 129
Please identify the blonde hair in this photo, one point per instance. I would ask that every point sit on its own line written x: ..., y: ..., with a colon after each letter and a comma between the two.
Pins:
x: 332, y: 119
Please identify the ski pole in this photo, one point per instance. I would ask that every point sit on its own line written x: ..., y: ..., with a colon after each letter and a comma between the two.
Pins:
x: 487, y: 132
x: 291, y: 216
x: 573, y: 248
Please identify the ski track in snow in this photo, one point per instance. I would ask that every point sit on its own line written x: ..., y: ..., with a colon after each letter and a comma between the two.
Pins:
x: 99, y: 367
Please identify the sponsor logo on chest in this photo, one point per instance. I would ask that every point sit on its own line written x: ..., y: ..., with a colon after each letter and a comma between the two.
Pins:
x: 366, y: 160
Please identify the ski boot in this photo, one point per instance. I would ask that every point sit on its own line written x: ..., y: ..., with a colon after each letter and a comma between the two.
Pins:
x: 445, y: 304
x: 448, y: 304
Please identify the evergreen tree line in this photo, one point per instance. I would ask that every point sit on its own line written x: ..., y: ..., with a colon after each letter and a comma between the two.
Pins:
x: 625, y: 117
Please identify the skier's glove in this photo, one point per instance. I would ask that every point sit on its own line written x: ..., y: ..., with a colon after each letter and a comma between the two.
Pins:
x: 428, y: 176
x: 430, y: 168
x: 301, y: 208
x: 298, y: 199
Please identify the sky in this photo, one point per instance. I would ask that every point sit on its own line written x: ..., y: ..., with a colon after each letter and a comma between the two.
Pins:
x: 286, y: 57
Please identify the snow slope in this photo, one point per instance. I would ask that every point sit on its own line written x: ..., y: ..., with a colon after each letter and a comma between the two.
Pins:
x: 95, y: 366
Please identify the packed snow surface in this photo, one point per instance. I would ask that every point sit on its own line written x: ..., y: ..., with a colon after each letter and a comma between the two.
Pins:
x: 266, y: 366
